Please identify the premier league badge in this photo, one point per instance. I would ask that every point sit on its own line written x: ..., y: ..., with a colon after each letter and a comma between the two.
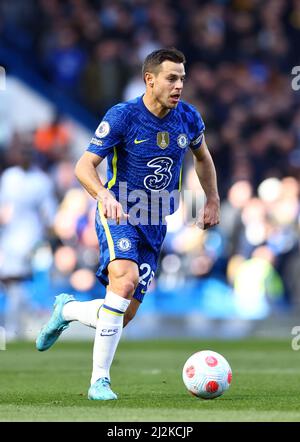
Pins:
x: 103, y: 129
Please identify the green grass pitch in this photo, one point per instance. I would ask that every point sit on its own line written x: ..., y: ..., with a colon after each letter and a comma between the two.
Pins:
x: 52, y: 386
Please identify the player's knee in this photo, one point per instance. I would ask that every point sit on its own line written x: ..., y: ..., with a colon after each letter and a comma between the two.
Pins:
x: 124, y: 281
x: 123, y: 277
x: 127, y: 286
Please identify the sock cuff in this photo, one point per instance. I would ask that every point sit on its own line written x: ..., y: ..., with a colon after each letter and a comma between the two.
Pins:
x: 115, y: 303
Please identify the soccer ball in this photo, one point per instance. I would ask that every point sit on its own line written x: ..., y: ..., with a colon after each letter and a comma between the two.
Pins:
x: 207, y: 374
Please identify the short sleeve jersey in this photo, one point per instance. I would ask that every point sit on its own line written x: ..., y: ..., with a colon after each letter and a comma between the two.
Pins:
x: 145, y: 151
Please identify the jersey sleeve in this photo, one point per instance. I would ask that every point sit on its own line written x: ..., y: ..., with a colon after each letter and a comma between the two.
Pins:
x: 109, y: 133
x: 198, y: 131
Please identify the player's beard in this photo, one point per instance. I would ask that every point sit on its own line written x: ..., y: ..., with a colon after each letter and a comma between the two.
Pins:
x: 167, y: 103
x: 173, y: 105
x: 172, y: 102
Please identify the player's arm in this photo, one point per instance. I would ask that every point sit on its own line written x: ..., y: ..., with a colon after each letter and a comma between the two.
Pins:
x: 86, y: 173
x: 206, y: 172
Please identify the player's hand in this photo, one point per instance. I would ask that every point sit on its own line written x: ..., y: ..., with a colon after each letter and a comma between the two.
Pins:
x: 210, y: 216
x: 111, y: 208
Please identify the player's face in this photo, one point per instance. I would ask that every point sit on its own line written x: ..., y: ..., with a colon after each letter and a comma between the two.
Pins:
x: 168, y: 84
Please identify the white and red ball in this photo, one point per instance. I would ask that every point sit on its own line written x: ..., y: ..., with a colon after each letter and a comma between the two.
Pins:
x: 207, y: 374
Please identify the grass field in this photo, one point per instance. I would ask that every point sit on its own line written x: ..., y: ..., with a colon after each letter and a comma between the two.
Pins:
x: 52, y: 386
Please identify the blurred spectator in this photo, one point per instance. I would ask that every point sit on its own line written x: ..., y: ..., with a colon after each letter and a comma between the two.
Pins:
x: 27, y: 209
x: 104, y: 77
x: 65, y: 61
x: 52, y: 142
x: 134, y: 88
x: 257, y: 285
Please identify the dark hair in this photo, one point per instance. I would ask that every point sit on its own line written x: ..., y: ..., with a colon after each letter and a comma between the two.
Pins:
x: 156, y: 58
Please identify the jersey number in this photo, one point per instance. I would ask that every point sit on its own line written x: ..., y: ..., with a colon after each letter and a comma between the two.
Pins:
x: 161, y: 177
x: 143, y: 278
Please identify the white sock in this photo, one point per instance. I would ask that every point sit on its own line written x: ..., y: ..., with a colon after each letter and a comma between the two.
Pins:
x: 85, y: 312
x: 108, y: 334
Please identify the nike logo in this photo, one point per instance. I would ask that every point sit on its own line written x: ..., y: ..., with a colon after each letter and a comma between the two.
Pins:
x: 143, y: 291
x: 140, y: 141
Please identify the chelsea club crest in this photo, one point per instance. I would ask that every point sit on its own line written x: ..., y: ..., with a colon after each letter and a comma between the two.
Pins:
x: 124, y: 244
x: 182, y: 140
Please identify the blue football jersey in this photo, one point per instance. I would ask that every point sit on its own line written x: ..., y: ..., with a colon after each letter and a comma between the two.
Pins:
x: 144, y: 151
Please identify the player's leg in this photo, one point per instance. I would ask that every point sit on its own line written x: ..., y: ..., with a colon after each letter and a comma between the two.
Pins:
x: 131, y: 311
x: 67, y: 309
x: 123, y: 278
x: 56, y: 324
x: 86, y: 312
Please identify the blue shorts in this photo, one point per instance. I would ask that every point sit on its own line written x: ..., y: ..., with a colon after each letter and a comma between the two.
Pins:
x: 141, y: 244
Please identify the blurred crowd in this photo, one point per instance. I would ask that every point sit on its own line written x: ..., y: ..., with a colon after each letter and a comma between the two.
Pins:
x: 240, y: 54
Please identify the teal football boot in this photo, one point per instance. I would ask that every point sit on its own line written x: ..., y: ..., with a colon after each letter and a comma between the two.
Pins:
x: 56, y: 324
x: 101, y: 391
